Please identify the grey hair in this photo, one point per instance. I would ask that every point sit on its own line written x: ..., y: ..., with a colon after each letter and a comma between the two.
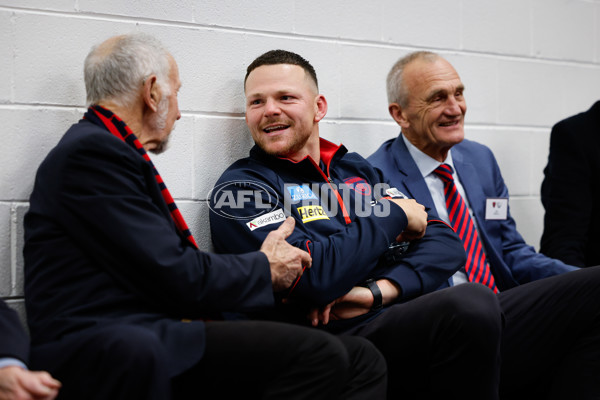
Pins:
x: 396, y: 91
x: 116, y: 69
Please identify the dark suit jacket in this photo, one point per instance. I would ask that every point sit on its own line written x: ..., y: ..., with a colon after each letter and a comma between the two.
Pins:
x: 571, y: 190
x: 101, y: 248
x: 14, y: 342
x: 512, y: 261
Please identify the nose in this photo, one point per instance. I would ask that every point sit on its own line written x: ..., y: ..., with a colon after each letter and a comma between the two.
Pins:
x: 454, y: 106
x: 272, y: 108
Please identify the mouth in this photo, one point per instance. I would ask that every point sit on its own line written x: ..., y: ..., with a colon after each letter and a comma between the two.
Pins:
x: 449, y: 123
x: 275, y: 128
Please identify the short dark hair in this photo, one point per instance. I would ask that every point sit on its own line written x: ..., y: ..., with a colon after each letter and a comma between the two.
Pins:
x: 274, y: 57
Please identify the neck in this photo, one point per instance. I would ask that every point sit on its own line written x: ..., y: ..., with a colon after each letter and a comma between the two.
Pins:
x: 312, y: 148
x: 132, y: 116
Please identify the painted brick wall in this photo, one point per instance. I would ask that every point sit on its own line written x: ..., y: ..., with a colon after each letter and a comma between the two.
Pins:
x: 526, y: 64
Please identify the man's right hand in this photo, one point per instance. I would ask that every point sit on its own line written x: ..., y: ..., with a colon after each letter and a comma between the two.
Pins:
x: 287, y: 262
x: 417, y: 219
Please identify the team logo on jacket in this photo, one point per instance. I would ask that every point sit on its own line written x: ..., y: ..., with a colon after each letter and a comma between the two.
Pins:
x: 359, y: 185
x: 301, y: 192
x: 311, y: 213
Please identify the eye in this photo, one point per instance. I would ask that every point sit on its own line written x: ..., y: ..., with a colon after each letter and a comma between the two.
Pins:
x: 254, y: 102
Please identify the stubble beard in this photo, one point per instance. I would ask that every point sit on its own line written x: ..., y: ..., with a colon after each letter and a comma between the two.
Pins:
x: 160, y: 123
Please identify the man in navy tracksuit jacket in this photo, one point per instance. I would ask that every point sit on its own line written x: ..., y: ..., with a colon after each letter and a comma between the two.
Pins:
x: 352, y: 243
x: 357, y: 285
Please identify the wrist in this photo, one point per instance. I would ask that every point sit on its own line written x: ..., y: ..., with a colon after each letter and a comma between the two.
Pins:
x: 389, y: 289
x: 371, y: 284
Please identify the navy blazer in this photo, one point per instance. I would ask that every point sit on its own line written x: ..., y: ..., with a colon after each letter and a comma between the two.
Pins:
x: 570, y: 190
x: 14, y: 342
x: 512, y: 261
x: 101, y: 248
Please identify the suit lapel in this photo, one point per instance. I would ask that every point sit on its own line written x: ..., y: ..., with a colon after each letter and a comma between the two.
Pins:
x: 410, y: 177
x: 469, y: 179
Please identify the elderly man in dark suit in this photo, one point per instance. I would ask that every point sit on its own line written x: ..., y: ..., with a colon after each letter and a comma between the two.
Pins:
x: 121, y: 304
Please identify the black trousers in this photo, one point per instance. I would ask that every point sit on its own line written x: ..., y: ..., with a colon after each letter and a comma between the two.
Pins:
x: 243, y: 359
x: 443, y: 345
x: 537, y: 341
x: 268, y: 360
x: 551, y: 343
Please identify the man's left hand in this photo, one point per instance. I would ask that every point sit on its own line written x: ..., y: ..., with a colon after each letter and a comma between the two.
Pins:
x: 17, y: 383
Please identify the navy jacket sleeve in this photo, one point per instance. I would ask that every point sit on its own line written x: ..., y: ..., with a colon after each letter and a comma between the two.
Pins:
x: 428, y: 263
x: 349, y: 254
x: 502, y: 237
x: 339, y: 261
x: 14, y: 342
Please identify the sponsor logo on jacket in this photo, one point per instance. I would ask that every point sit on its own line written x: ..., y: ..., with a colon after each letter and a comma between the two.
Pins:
x: 301, y: 192
x: 266, y: 219
x: 311, y: 213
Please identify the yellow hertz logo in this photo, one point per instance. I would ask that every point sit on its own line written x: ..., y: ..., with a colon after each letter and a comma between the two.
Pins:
x: 312, y: 213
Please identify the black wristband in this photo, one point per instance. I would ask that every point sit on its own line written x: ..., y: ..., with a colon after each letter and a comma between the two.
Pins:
x: 377, y: 296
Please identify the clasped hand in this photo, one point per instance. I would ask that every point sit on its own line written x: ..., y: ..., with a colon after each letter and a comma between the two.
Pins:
x: 417, y: 219
x: 358, y: 301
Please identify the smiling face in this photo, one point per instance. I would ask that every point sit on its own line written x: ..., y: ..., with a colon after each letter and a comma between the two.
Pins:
x: 433, y: 118
x: 283, y: 109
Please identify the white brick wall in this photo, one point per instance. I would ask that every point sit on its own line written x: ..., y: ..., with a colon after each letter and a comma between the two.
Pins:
x: 526, y: 65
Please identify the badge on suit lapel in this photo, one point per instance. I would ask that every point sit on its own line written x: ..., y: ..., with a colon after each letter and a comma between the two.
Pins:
x: 496, y: 208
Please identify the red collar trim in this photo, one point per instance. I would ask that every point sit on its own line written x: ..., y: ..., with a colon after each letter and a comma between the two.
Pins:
x: 327, y: 150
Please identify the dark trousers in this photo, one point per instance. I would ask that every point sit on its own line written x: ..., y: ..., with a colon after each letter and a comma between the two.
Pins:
x: 443, y: 345
x: 266, y: 360
x: 245, y: 359
x: 446, y: 344
x: 551, y: 345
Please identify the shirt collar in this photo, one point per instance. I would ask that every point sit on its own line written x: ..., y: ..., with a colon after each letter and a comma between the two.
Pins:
x: 425, y: 163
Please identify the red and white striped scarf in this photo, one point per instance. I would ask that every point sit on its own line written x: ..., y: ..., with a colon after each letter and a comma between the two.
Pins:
x: 118, y: 128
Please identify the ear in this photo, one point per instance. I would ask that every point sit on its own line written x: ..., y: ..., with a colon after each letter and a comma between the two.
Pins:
x: 320, y: 107
x: 151, y: 93
x: 397, y: 113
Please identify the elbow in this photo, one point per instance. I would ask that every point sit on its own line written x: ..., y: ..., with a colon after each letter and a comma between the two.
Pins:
x: 316, y: 295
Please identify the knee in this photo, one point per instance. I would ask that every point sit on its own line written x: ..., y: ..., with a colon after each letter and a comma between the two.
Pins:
x: 365, y: 357
x: 474, y: 310
x: 328, y: 353
x: 133, y: 347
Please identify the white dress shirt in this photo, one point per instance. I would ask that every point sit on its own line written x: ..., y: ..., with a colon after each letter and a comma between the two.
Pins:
x: 435, y: 185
